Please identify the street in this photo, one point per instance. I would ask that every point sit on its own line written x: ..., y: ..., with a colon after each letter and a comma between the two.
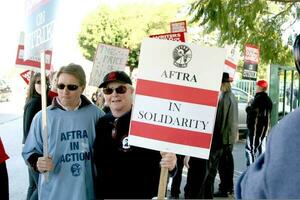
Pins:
x: 239, y: 167
x: 11, y: 134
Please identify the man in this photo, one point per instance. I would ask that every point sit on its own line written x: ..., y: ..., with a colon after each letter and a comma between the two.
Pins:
x: 71, y: 122
x: 226, y: 128
x: 124, y: 171
x: 258, y: 121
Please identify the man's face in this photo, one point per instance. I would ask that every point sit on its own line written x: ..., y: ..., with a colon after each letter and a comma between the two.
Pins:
x: 120, y: 100
x: 69, y: 96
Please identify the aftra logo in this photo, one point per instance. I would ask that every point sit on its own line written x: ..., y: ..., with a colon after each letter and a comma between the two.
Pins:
x: 76, y: 169
x: 182, y: 55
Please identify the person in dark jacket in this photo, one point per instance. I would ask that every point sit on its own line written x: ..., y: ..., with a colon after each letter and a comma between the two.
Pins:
x: 123, y: 171
x: 258, y: 121
x: 196, y: 177
x: 225, y: 130
x: 33, y: 105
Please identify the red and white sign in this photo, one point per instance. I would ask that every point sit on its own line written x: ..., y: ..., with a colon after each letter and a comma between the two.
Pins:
x: 107, y: 58
x: 231, y: 61
x: 176, y: 97
x: 251, y: 54
x: 34, y: 62
x: 26, y: 75
x: 179, y: 26
x: 179, y: 36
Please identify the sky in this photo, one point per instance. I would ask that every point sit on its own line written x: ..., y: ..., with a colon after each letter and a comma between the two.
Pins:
x: 66, y: 49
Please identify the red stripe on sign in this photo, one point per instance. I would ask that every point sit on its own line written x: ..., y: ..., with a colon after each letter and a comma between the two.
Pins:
x: 173, y: 135
x: 230, y: 64
x: 177, y: 92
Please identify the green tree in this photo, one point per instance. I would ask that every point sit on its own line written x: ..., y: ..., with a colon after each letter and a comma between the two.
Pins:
x: 257, y: 22
x: 125, y: 26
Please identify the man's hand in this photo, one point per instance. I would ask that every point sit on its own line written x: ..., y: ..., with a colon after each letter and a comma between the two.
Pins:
x: 44, y: 164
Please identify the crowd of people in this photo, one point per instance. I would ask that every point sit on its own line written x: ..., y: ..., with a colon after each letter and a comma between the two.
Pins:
x: 88, y: 155
x: 88, y: 151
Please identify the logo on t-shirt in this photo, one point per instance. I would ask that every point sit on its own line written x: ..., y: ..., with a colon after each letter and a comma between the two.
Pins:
x: 76, y: 169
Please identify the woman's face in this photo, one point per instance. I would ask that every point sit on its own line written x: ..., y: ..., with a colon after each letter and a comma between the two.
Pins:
x: 69, y: 90
x: 37, y: 86
x: 119, y: 102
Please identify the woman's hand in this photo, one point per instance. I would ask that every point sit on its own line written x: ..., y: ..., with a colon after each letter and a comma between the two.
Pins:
x: 44, y: 164
x: 168, y: 160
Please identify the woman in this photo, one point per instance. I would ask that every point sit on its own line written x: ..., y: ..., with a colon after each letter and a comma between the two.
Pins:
x: 33, y: 105
x: 71, y: 120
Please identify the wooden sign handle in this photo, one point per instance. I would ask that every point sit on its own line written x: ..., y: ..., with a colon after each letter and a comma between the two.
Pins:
x: 164, y: 172
x: 44, y: 109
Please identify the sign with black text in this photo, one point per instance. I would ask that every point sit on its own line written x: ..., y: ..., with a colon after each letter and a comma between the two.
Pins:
x: 179, y: 36
x: 40, y: 17
x: 32, y: 63
x: 176, y: 97
x: 107, y: 58
x: 250, y: 71
x: 251, y: 60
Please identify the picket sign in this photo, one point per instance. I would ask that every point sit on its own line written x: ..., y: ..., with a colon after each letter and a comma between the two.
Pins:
x: 107, y: 58
x: 176, y: 97
x: 39, y: 28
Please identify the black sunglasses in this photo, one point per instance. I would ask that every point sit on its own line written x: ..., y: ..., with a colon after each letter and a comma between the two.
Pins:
x: 70, y: 87
x: 119, y: 90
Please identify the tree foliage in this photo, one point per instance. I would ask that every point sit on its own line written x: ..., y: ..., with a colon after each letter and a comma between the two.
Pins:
x: 257, y: 22
x: 125, y: 26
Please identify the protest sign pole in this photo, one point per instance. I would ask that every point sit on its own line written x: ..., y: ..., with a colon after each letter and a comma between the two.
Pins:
x: 164, y: 172
x: 44, y: 107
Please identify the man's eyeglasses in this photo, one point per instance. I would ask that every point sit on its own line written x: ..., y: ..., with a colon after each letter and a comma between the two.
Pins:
x: 70, y: 87
x: 119, y: 90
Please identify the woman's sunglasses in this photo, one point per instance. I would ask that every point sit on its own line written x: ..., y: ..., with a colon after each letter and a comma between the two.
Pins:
x: 70, y: 87
x: 119, y: 90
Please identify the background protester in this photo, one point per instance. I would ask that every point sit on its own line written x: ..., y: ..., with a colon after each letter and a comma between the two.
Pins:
x: 224, y: 136
x: 33, y: 105
x: 258, y: 121
x: 123, y: 171
x: 196, y: 177
x: 4, y: 192
x: 71, y: 121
